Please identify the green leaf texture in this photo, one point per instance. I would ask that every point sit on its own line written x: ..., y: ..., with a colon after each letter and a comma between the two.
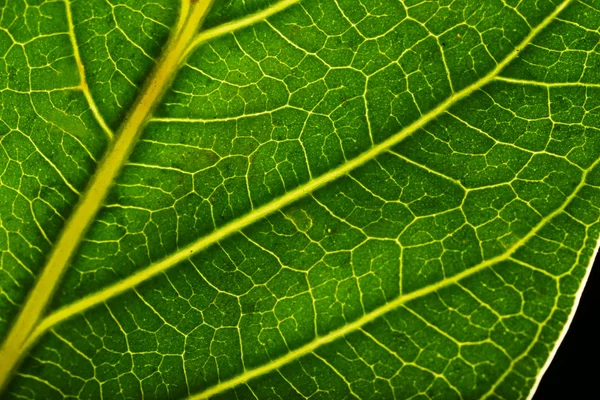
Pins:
x: 333, y: 199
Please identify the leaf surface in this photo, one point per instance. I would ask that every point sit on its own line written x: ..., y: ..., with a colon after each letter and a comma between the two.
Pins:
x: 327, y: 199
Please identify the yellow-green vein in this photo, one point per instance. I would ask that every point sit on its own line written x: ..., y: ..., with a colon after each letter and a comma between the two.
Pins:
x: 378, y: 312
x: 238, y: 24
x: 82, y: 79
x: 91, y: 201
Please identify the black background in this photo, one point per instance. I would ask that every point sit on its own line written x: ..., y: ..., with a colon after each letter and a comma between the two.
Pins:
x: 575, y: 371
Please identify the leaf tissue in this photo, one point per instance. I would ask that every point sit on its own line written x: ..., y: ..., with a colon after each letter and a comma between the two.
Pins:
x: 266, y: 199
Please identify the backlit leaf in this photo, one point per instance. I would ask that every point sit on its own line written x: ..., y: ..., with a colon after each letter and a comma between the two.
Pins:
x: 329, y: 199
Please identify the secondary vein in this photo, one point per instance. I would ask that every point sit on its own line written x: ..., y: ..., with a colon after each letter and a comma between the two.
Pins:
x: 238, y: 24
x: 381, y: 311
x: 82, y: 79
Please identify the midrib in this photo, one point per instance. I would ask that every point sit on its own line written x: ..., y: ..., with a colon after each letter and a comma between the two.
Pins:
x: 86, y: 209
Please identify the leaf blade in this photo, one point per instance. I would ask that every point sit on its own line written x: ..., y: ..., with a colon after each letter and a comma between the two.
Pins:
x: 439, y: 228
x: 291, y: 196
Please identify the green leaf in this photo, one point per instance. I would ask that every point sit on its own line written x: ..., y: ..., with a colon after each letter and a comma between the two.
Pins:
x: 327, y: 198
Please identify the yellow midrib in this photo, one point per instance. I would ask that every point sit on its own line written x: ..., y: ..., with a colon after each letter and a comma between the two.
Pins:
x: 277, y: 204
x: 98, y: 188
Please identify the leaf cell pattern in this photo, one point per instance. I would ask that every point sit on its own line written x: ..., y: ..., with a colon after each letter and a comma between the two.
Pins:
x: 445, y: 266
